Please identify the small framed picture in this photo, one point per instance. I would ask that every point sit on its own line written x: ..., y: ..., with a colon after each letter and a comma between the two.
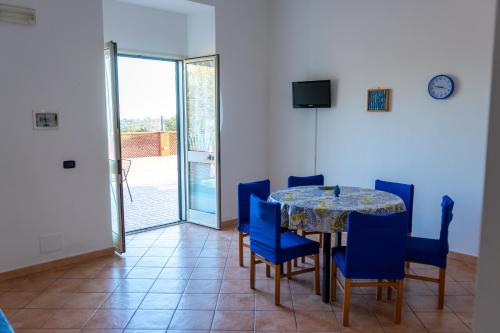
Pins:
x: 45, y: 120
x: 378, y: 100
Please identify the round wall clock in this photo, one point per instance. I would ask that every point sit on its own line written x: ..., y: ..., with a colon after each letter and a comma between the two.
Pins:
x: 441, y: 86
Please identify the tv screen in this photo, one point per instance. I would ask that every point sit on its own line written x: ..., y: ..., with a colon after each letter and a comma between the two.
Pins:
x: 311, y: 94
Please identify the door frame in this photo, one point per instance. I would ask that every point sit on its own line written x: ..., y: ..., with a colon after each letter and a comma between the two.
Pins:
x: 217, y: 142
x: 178, y: 68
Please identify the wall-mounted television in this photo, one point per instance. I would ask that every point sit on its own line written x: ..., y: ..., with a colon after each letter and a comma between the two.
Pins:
x: 312, y: 94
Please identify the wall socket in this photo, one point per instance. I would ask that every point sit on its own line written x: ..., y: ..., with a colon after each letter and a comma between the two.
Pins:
x: 50, y: 243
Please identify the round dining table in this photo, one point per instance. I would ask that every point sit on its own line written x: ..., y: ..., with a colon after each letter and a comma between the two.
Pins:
x: 317, y: 208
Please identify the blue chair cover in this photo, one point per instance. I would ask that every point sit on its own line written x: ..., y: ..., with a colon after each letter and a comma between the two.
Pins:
x: 266, y: 238
x: 294, y: 181
x: 404, y: 191
x: 4, y: 324
x: 376, y: 247
x: 433, y: 251
x: 261, y: 189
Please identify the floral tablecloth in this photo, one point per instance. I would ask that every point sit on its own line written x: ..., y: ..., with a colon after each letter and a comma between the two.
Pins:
x: 314, y: 208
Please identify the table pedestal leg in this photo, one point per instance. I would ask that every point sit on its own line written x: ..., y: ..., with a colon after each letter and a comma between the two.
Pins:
x: 327, y: 240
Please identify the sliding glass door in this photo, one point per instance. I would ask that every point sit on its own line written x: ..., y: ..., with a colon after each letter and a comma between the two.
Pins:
x: 202, y: 123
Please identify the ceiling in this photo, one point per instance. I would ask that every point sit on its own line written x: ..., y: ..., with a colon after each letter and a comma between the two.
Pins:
x: 176, y: 6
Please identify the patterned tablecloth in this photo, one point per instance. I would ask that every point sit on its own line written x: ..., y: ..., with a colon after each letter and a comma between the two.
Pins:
x: 312, y: 208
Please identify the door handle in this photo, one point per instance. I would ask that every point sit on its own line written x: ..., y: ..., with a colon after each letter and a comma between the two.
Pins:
x: 211, y: 157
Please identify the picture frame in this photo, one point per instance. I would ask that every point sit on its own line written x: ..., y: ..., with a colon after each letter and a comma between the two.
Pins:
x: 45, y: 120
x: 378, y: 100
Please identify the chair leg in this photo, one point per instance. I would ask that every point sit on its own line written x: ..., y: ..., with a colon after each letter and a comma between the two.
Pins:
x: 289, y: 270
x: 303, y: 234
x: 333, y: 282
x: 316, y: 274
x: 295, y: 263
x: 442, y: 281
x: 277, y: 284
x: 268, y: 270
x: 379, y: 291
x: 389, y: 293
x: 252, y: 270
x: 240, y: 247
x: 321, y: 240
x: 399, y: 301
x: 347, y: 301
x: 408, y: 265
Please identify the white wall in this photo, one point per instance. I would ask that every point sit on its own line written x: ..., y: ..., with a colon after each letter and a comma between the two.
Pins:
x: 437, y: 145
x: 201, y: 33
x: 145, y: 29
x: 488, y: 292
x: 242, y: 35
x: 55, y: 65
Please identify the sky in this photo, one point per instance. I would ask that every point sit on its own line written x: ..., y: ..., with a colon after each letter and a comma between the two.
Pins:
x: 147, y: 88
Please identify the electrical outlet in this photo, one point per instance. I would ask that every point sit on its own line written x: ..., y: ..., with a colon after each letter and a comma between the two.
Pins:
x: 50, y: 243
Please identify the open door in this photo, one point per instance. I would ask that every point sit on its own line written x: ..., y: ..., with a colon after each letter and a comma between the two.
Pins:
x: 202, y: 128
x: 114, y: 147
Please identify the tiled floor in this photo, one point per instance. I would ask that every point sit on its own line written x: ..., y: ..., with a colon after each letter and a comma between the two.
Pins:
x: 186, y: 278
x: 154, y: 185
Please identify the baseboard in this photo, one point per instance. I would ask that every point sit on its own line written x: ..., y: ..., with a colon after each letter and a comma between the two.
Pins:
x: 463, y: 257
x: 55, y: 263
x: 229, y: 223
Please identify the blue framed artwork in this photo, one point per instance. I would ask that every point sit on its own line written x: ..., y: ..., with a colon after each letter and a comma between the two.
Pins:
x: 378, y: 100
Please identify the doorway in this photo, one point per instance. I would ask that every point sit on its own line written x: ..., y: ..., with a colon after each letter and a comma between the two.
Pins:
x: 149, y: 89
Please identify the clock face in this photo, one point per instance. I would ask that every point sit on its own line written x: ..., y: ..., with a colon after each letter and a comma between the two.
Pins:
x: 441, y: 87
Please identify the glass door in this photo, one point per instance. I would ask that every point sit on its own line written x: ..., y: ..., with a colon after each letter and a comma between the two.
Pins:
x: 202, y: 171
x: 114, y: 150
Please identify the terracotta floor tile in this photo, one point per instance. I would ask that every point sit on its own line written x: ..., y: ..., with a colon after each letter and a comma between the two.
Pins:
x: 66, y: 285
x: 160, y: 252
x: 191, y: 320
x: 123, y: 301
x: 100, y: 330
x: 99, y: 286
x: 176, y: 273
x: 422, y: 303
x: 309, y: 303
x: 236, y: 302
x: 275, y: 321
x: 265, y: 301
x: 189, y: 331
x: 134, y: 285
x: 452, y: 288
x: 205, y: 273
x: 144, y: 273
x: 460, y: 303
x: 150, y: 319
x: 211, y: 262
x: 110, y: 318
x: 233, y: 320
x: 409, y: 323
x: 316, y: 321
x: 169, y: 286
x: 198, y: 302
x: 442, y: 322
x: 31, y: 318
x: 203, y: 286
x: 50, y: 300
x: 85, y: 301
x: 467, y: 318
x: 236, y: 287
x: 360, y: 322
x: 152, y: 262
x: 160, y: 301
x: 13, y: 299
x: 181, y: 262
x: 113, y: 272
x: 68, y: 319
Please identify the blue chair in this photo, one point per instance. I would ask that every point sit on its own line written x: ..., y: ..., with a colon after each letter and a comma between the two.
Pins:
x: 271, y: 246
x: 376, y: 250
x: 404, y: 191
x: 433, y: 252
x: 261, y: 189
x: 294, y: 181
x: 4, y: 324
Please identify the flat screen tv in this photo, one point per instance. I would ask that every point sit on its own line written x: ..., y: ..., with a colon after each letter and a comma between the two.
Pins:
x: 311, y: 94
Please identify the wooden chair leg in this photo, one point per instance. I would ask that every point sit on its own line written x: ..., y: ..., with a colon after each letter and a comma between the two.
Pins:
x: 268, y: 270
x: 442, y: 282
x: 399, y: 302
x: 252, y: 270
x: 321, y: 240
x: 303, y: 234
x: 408, y: 265
x: 295, y: 264
x: 277, y: 284
x: 347, y: 302
x: 379, y: 291
x: 389, y: 293
x: 289, y: 270
x: 316, y: 274
x: 240, y: 247
x: 333, y: 282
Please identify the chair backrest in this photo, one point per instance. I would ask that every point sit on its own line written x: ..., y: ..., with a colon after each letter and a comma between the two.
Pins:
x: 446, y: 216
x: 261, y: 189
x: 376, y: 246
x: 294, y: 181
x: 265, y: 227
x: 404, y: 191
